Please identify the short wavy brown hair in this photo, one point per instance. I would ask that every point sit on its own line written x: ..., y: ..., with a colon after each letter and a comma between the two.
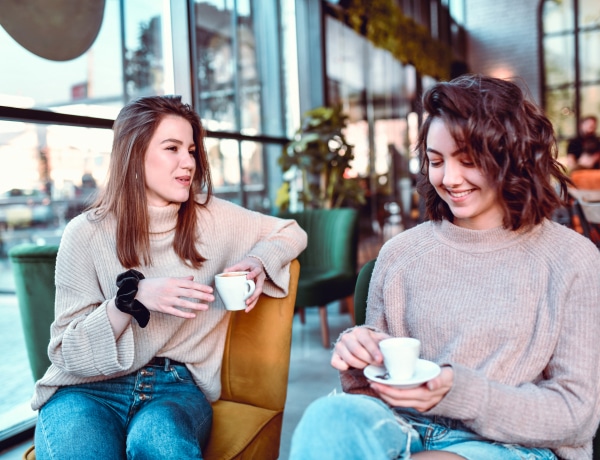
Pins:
x: 509, y: 139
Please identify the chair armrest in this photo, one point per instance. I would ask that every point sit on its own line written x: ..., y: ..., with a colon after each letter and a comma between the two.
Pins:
x: 257, y: 350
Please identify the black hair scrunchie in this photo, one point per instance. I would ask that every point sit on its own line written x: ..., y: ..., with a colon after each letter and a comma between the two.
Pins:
x: 127, y: 282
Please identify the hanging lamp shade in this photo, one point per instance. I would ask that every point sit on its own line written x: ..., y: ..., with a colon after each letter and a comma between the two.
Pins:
x: 59, y: 30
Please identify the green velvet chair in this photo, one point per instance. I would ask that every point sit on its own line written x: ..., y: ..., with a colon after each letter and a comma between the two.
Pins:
x: 362, y: 291
x: 329, y: 263
x: 33, y: 270
x: 248, y: 417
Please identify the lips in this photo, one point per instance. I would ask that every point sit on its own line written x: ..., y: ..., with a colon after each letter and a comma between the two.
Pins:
x: 184, y: 180
x: 459, y: 193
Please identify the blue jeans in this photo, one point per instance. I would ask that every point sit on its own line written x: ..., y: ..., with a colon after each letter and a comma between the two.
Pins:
x: 155, y: 413
x: 359, y: 427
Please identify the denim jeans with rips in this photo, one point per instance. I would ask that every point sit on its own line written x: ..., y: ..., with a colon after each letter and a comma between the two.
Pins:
x: 157, y: 413
x: 358, y: 427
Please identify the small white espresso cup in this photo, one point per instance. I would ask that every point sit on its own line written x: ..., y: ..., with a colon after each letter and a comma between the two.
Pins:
x: 234, y: 289
x: 400, y: 355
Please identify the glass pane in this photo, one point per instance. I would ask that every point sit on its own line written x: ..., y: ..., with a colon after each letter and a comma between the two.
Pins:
x: 248, y: 69
x: 48, y: 174
x: 224, y: 159
x: 560, y: 109
x: 237, y: 54
x: 557, y: 16
x: 346, y: 52
x: 54, y: 171
x: 144, y: 59
x: 345, y: 67
x: 252, y: 163
x: 384, y: 77
x: 216, y: 64
x: 559, y: 60
x: 590, y: 100
x: 589, y: 59
x: 589, y: 13
x: 91, y: 84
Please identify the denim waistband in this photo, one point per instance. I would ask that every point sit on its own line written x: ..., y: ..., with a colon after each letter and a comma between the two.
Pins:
x: 416, y: 417
x: 161, y: 361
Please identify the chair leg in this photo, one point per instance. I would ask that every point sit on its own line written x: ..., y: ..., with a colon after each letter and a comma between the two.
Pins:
x: 302, y: 314
x: 324, y: 326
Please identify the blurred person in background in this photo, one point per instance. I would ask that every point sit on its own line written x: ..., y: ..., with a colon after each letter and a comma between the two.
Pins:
x: 583, y: 151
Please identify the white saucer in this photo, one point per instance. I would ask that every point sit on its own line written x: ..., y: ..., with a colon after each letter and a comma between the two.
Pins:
x: 425, y: 371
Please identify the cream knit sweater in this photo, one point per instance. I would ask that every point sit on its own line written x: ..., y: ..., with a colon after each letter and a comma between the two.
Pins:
x: 82, y: 346
x: 516, y: 315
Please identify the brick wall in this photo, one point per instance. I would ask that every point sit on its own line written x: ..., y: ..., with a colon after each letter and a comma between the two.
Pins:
x: 502, y: 40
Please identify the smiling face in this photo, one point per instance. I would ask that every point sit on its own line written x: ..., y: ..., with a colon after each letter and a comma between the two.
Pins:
x: 169, y: 163
x: 471, y: 197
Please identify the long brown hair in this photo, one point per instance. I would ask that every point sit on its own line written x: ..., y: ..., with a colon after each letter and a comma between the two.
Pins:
x: 509, y: 139
x: 124, y: 195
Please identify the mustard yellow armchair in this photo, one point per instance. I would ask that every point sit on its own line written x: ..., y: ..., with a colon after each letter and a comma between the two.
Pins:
x: 249, y: 415
x: 248, y: 418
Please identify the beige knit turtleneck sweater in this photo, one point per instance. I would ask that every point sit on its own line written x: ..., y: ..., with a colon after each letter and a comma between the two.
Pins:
x: 516, y: 315
x: 82, y: 345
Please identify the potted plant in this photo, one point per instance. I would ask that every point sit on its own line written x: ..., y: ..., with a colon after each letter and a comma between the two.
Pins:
x: 320, y: 153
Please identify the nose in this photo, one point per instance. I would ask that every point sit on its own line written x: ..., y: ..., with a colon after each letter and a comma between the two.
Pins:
x: 188, y: 161
x: 452, y: 174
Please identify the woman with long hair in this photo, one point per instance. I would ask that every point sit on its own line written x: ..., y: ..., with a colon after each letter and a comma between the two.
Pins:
x: 138, y: 337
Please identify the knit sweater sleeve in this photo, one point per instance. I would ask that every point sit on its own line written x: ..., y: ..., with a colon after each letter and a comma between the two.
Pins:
x: 280, y: 241
x: 82, y: 342
x: 272, y: 240
x: 353, y: 380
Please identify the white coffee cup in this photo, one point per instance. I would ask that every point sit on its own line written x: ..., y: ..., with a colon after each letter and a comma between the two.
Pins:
x: 234, y: 289
x: 400, y: 355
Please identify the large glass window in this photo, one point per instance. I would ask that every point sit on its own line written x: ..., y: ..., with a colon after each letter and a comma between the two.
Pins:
x: 49, y: 170
x: 102, y: 79
x: 238, y: 76
x: 570, y: 39
x: 55, y: 120
x: 377, y: 93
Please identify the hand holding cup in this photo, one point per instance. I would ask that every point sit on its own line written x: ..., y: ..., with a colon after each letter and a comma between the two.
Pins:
x: 400, y: 355
x: 234, y: 289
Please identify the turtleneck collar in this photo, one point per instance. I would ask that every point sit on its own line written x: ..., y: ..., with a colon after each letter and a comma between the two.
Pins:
x: 163, y: 219
x: 469, y: 240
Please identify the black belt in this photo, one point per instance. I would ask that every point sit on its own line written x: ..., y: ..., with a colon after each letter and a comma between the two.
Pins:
x: 162, y: 362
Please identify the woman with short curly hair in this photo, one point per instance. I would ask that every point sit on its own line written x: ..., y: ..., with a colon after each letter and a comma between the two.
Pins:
x: 507, y: 137
x: 504, y: 301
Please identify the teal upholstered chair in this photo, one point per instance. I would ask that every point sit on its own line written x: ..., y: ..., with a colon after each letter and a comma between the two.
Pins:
x: 328, y: 265
x: 33, y: 268
x: 362, y: 291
